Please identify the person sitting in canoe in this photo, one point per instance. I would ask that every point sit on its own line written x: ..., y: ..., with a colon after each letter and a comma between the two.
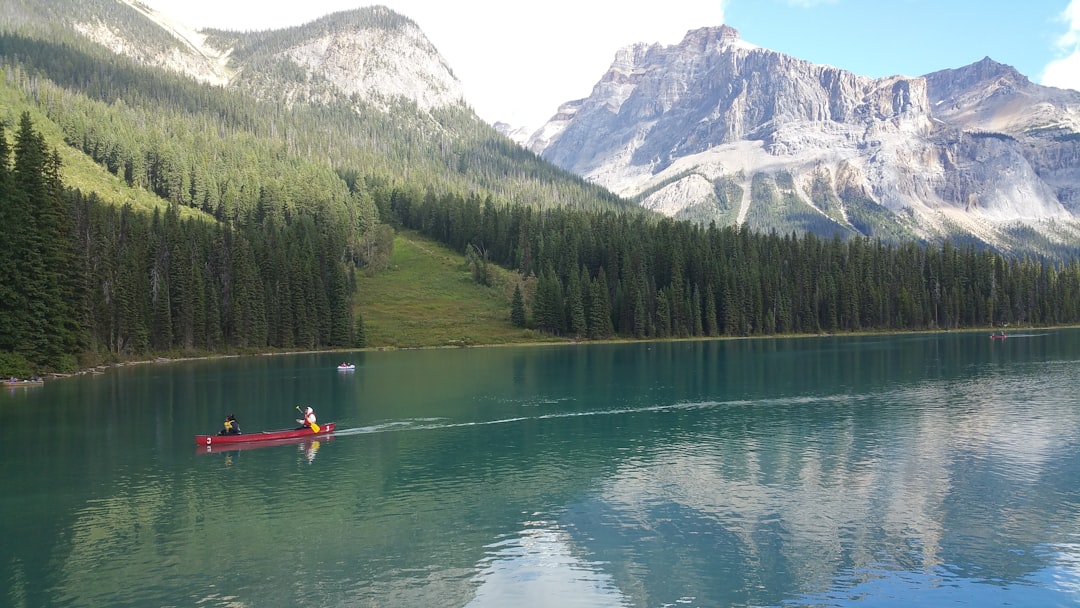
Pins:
x: 231, y: 426
x: 308, y: 420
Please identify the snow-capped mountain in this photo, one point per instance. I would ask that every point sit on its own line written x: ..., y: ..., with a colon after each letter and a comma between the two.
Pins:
x: 718, y: 129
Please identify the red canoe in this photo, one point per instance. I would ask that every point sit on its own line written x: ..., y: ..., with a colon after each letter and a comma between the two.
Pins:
x: 306, y: 442
x: 324, y: 430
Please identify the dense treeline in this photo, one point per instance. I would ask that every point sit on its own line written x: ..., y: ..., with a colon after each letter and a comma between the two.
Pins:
x: 38, y: 284
x: 102, y: 280
x: 605, y: 273
x: 170, y: 284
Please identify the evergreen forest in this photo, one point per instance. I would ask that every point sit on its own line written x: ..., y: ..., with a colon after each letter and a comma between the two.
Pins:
x: 602, y: 274
x: 89, y: 282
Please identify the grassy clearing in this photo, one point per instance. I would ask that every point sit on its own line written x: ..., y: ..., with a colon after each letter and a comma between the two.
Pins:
x: 428, y: 298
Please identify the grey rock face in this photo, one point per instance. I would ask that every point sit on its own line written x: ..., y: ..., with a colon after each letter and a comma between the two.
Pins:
x: 978, y: 152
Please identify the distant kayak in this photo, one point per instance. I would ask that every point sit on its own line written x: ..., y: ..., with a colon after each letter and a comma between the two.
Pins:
x: 346, y: 367
x: 324, y: 430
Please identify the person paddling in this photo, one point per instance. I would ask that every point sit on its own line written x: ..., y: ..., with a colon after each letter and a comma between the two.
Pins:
x: 231, y: 426
x: 308, y: 421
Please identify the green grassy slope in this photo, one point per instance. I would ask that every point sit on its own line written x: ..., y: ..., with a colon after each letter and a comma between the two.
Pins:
x: 428, y: 298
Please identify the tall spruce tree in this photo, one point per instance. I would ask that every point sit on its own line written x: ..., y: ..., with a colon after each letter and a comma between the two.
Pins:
x: 517, y: 308
x: 12, y: 210
x: 43, y: 323
x: 575, y: 303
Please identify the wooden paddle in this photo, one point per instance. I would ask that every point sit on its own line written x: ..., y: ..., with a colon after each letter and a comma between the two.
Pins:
x: 303, y: 417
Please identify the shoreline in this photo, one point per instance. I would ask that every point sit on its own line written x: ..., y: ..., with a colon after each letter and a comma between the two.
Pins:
x: 162, y: 360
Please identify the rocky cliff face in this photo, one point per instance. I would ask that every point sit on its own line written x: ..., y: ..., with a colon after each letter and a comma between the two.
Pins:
x: 372, y: 53
x: 717, y: 129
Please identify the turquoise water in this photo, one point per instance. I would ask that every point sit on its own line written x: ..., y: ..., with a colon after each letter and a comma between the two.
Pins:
x: 871, y: 471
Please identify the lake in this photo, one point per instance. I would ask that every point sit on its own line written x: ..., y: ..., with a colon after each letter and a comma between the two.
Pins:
x: 929, y: 469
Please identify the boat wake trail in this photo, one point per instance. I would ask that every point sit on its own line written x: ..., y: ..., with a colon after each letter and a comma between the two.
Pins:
x: 427, y: 424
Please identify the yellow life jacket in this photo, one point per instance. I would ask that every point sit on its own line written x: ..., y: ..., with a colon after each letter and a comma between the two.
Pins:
x: 228, y: 425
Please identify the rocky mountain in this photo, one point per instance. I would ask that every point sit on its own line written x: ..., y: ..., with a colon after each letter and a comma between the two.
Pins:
x: 360, y: 92
x: 718, y: 129
x: 370, y: 54
x: 713, y: 128
x: 518, y: 134
x: 373, y: 53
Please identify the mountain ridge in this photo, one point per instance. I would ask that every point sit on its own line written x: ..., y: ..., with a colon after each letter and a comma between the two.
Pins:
x: 390, y: 128
x: 370, y: 51
x: 977, y: 152
x: 710, y: 129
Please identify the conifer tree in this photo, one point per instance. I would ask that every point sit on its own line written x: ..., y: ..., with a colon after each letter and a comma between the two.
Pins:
x: 13, y: 212
x: 517, y: 308
x: 161, y: 335
x: 600, y: 324
x: 575, y: 302
x: 548, y: 309
x: 25, y: 330
x: 711, y: 327
x: 663, y: 314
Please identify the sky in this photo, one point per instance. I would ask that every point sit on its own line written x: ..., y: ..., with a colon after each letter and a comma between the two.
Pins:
x: 518, y: 61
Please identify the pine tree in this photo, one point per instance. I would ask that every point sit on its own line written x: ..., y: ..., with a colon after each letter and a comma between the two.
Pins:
x: 663, y: 315
x: 517, y: 308
x: 711, y: 327
x: 549, y: 307
x: 42, y: 273
x: 25, y: 331
x: 12, y: 209
x: 575, y: 302
x: 600, y: 325
x: 161, y: 334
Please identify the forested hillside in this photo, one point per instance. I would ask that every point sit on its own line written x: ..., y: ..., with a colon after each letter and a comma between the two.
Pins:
x: 103, y: 281
x: 214, y: 148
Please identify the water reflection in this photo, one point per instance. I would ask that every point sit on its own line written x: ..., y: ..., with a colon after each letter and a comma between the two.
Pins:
x: 915, y: 470
x: 539, y: 566
x: 1064, y: 573
x: 309, y: 449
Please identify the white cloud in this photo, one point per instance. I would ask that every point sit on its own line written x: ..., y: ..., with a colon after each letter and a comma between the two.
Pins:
x: 1064, y: 72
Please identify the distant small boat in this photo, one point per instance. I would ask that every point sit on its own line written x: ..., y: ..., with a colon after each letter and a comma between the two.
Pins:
x: 346, y: 367
x: 998, y: 336
x: 14, y: 382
